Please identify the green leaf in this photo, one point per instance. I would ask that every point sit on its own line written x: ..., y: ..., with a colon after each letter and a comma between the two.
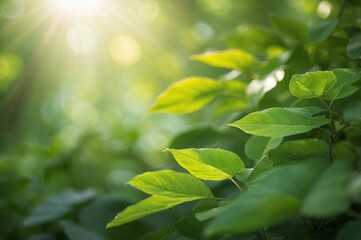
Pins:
x: 256, y: 147
x: 274, y: 198
x: 354, y: 47
x: 322, y: 30
x: 188, y: 95
x: 145, y: 207
x: 171, y: 184
x: 312, y: 84
x: 342, y: 87
x: 260, y: 169
x: 279, y: 122
x: 233, y: 59
x: 352, y: 113
x: 75, y: 232
x: 209, y: 164
x: 351, y: 231
x: 46, y: 212
x: 298, y: 150
x: 205, y: 209
x: 327, y: 199
x: 289, y: 28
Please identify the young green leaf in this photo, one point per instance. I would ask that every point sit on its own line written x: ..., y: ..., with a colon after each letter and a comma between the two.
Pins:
x: 322, y: 30
x: 279, y: 122
x: 343, y: 85
x: 145, y: 207
x: 312, y: 84
x: 171, y: 184
x: 233, y: 59
x: 209, y: 164
x: 275, y: 198
x: 256, y: 147
x: 326, y: 199
x: 188, y: 95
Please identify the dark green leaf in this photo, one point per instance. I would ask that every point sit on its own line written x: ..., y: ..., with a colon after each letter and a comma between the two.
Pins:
x: 273, y: 199
x: 354, y: 47
x: 209, y: 164
x: 297, y: 150
x: 260, y: 169
x: 353, y: 113
x: 188, y: 95
x: 327, y: 198
x: 279, y: 122
x: 75, y: 232
x: 322, y: 30
x: 351, y: 231
x: 293, y: 30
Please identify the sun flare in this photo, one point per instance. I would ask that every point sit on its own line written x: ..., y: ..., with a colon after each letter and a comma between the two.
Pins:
x: 79, y: 6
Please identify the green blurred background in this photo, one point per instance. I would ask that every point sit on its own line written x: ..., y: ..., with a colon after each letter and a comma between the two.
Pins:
x: 77, y: 78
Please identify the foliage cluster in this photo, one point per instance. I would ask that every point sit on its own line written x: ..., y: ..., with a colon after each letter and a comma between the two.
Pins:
x: 293, y: 91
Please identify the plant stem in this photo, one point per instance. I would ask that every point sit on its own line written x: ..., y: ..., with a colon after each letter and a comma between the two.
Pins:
x: 235, y: 183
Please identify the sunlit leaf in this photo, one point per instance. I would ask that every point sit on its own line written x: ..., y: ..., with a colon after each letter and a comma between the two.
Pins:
x: 209, y: 164
x: 256, y: 147
x: 322, y: 30
x: 354, y: 47
x: 275, y: 198
x: 171, y: 184
x: 232, y: 59
x: 297, y: 150
x: 145, y: 207
x: 312, y: 84
x: 187, y: 95
x: 279, y: 122
x: 327, y: 198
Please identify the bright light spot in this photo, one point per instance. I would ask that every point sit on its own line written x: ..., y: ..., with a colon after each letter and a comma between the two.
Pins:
x: 84, y: 114
x: 82, y: 39
x: 10, y: 66
x: 125, y: 50
x: 202, y: 32
x: 78, y: 6
x: 12, y: 9
x: 324, y: 9
x: 148, y: 10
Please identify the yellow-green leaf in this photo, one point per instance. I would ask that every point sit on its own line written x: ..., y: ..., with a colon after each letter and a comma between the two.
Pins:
x: 171, y: 184
x: 209, y: 164
x: 143, y: 208
x: 188, y: 95
x: 232, y: 59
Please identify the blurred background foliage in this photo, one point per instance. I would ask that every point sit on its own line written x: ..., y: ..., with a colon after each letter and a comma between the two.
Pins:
x: 75, y: 84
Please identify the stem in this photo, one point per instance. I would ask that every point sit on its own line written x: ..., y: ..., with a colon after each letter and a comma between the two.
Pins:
x: 235, y: 183
x: 324, y: 103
